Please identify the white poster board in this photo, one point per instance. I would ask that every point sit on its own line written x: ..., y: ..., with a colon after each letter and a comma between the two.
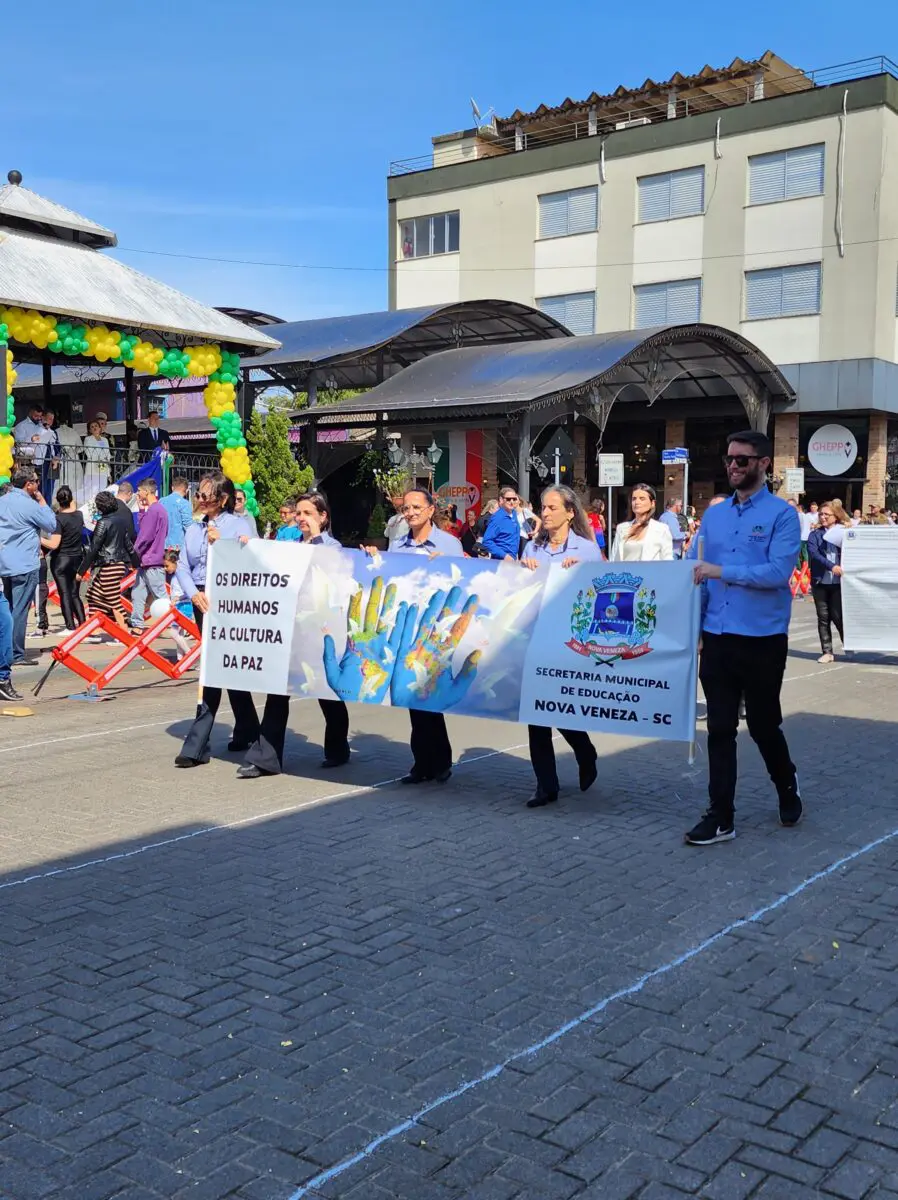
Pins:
x: 870, y: 588
x: 611, y: 470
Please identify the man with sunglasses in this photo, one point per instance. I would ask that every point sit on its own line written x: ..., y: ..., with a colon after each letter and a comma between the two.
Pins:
x: 503, y: 534
x: 750, y: 545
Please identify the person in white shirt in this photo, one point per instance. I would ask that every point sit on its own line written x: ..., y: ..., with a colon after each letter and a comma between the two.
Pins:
x: 397, y: 526
x: 30, y: 435
x: 643, y: 539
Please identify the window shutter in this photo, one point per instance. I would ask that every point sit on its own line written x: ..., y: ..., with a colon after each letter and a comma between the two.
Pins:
x: 654, y: 197
x: 763, y: 294
x: 553, y: 215
x: 687, y: 192
x: 580, y: 313
x: 651, y: 305
x: 767, y: 178
x: 801, y: 290
x: 577, y: 311
x: 684, y: 301
x: 583, y: 205
x: 804, y: 172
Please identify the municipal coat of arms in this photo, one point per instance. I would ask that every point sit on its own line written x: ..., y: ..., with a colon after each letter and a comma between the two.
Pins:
x: 613, y: 619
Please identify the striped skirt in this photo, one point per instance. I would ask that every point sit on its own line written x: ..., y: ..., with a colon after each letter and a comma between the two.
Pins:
x: 105, y: 591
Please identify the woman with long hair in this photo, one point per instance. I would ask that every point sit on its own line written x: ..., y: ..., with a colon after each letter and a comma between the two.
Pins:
x: 642, y: 539
x: 111, y: 555
x: 596, y: 518
x: 565, y: 536
x: 215, y: 499
x: 825, y: 558
x: 65, y: 558
x: 266, y: 754
x: 97, y: 458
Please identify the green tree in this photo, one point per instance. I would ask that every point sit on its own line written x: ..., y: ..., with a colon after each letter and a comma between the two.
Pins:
x: 276, y: 472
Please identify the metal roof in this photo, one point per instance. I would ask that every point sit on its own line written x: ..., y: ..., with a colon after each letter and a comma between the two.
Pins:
x: 685, y: 361
x: 20, y: 204
x: 75, y: 281
x: 347, y: 347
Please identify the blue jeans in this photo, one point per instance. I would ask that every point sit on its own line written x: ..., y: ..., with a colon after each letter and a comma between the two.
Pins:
x: 20, y: 591
x: 150, y: 579
x: 5, y: 639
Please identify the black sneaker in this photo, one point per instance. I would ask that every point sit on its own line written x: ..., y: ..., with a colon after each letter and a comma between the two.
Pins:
x: 790, y: 805
x: 8, y: 692
x: 710, y: 830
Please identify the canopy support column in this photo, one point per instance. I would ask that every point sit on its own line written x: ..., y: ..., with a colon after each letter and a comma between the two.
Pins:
x: 524, y: 456
x: 130, y: 400
x: 47, y: 374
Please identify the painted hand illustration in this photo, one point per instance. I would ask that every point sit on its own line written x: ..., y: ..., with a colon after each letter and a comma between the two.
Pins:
x: 422, y: 677
x: 372, y: 645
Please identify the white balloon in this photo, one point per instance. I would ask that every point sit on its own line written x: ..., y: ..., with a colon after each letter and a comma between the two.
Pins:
x: 159, y: 608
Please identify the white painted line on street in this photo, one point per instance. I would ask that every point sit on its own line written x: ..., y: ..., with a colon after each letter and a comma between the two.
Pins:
x: 77, y: 737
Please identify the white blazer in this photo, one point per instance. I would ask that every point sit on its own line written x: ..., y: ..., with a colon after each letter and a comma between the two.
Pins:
x: 656, y: 543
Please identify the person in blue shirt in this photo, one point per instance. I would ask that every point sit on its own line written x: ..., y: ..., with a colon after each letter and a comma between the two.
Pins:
x: 179, y: 512
x: 750, y: 544
x: 502, y: 538
x: 26, y: 524
x: 289, y: 531
x: 671, y: 518
x: 266, y: 754
x: 430, y: 745
x: 566, y: 536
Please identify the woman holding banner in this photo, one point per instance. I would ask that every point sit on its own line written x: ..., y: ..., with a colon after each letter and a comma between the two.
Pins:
x: 215, y: 500
x: 431, y: 749
x: 566, y: 537
x: 266, y: 754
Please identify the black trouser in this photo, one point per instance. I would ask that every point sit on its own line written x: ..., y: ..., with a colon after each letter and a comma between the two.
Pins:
x: 542, y: 754
x: 828, y: 602
x: 65, y: 568
x: 246, y: 721
x: 267, y: 752
x: 43, y: 621
x: 733, y: 666
x: 430, y: 742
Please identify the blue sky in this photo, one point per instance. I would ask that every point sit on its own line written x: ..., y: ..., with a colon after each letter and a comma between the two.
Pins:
x: 264, y: 131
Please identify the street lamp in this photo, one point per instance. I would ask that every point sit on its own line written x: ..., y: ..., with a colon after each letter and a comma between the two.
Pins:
x: 434, y: 453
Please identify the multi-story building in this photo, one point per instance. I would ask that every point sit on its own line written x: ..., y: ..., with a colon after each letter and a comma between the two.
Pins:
x: 757, y: 197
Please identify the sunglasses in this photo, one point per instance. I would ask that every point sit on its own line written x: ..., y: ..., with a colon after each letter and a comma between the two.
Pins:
x: 510, y: 499
x: 739, y: 460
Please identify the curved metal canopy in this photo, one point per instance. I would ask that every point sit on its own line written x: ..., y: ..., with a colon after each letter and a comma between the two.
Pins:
x: 363, y: 349
x: 682, y: 361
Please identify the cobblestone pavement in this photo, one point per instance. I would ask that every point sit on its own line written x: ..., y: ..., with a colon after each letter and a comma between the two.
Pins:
x: 250, y: 983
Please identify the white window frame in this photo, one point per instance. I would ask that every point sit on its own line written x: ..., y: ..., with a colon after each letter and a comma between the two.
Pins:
x: 569, y: 196
x: 671, y: 178
x: 781, y: 315
x: 640, y: 288
x: 430, y: 217
x: 785, y: 157
x: 566, y: 296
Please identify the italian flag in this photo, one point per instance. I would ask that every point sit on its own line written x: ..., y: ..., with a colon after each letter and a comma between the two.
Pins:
x: 458, y: 476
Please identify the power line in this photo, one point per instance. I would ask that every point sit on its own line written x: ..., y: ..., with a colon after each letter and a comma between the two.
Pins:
x: 661, y: 262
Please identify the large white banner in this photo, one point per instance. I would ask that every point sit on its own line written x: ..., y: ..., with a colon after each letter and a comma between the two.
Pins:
x: 870, y: 587
x: 591, y: 647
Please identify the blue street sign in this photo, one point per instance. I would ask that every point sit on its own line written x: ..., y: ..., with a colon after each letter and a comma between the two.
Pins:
x: 673, y: 458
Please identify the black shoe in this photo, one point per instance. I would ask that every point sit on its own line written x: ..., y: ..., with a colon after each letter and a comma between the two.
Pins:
x: 250, y: 771
x: 8, y: 692
x: 184, y: 760
x: 790, y: 805
x: 711, y: 829
x: 26, y: 662
x: 443, y: 776
x: 415, y: 776
x: 589, y: 773
x: 334, y: 760
x: 239, y: 747
x: 541, y: 799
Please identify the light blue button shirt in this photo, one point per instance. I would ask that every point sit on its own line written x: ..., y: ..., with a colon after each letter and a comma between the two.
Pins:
x: 436, y: 542
x: 180, y: 518
x: 323, y: 539
x: 669, y: 518
x: 756, y: 544
x: 575, y: 546
x: 22, y: 521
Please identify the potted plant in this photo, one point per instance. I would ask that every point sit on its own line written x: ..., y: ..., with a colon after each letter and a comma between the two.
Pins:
x: 377, y: 524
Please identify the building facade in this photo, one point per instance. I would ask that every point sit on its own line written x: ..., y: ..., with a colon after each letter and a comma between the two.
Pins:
x: 755, y: 197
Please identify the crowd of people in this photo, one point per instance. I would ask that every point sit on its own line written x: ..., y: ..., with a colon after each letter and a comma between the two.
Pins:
x: 751, y: 544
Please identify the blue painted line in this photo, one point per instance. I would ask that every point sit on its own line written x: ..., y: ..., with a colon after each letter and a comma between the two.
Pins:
x: 632, y: 989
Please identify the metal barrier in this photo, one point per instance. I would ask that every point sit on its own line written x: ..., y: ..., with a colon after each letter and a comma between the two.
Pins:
x: 89, y: 469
